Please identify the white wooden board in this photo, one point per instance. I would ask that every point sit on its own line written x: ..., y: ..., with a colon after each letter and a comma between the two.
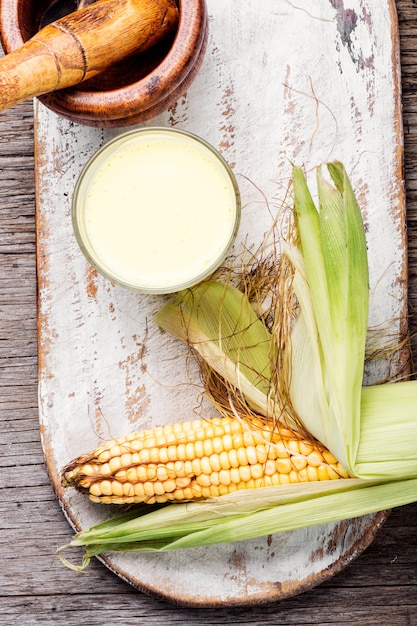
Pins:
x: 305, y: 82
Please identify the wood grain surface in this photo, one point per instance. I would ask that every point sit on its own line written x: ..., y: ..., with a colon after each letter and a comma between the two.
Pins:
x: 380, y: 587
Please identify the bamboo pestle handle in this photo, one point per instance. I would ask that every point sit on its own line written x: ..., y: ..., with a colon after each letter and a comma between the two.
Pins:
x: 82, y: 44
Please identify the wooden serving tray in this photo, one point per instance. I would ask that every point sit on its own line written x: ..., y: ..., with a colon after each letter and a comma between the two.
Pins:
x: 303, y: 82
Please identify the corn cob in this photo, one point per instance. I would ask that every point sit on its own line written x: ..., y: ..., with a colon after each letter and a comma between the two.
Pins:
x: 197, y: 459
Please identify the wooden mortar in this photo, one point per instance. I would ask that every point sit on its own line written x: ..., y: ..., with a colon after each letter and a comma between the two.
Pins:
x: 142, y: 80
x: 83, y: 44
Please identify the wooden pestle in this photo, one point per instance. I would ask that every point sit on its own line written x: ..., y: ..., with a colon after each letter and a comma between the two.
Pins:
x: 82, y: 44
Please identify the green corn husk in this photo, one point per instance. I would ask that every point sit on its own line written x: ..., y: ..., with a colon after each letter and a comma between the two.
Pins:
x: 371, y: 430
x: 242, y: 515
x: 218, y: 322
x: 333, y: 267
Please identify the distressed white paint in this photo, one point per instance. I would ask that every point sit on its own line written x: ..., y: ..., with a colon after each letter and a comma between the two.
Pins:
x: 281, y: 82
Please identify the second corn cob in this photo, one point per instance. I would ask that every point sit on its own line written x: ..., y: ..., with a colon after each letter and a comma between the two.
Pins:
x: 198, y: 459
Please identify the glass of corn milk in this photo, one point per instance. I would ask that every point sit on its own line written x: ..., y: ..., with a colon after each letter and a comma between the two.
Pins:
x: 156, y: 210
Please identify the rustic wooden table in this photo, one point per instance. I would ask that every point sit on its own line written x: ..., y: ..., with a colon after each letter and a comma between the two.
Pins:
x: 380, y: 587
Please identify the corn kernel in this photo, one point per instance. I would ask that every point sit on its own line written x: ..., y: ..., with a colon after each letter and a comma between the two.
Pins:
x: 196, y: 467
x: 117, y: 488
x: 233, y: 460
x: 203, y: 480
x: 189, y: 452
x: 224, y: 477
x: 332, y: 474
x: 137, y: 444
x: 235, y: 475
x: 306, y: 447
x: 215, y: 462
x: 131, y: 475
x: 181, y: 453
x: 248, y: 438
x: 105, y: 470
x: 261, y: 453
x: 193, y: 492
x: 282, y: 452
x: 106, y: 487
x: 244, y: 472
x: 161, y: 473
x: 135, y: 458
x: 315, y: 458
x: 214, y: 491
x: 284, y: 466
x: 224, y: 460
x: 139, y: 490
x: 329, y: 458
x: 183, y: 482
x: 95, y: 489
x: 341, y: 471
x: 293, y: 445
x: 223, y: 490
x: 275, y: 479
x: 144, y: 456
x: 198, y: 449
x: 214, y: 478
x: 251, y: 455
x: 114, y: 464
x: 267, y: 481
x: 208, y: 447
x: 257, y: 471
x: 148, y: 487
x: 170, y: 485
x: 298, y: 461
x: 270, y: 467
x: 205, y: 465
x: 114, y: 451
x: 322, y: 472
x: 237, y: 440
x: 104, y: 456
x: 303, y: 475
x: 217, y: 445
x: 312, y: 473
x: 172, y: 452
x: 242, y: 456
x: 293, y: 476
x: 158, y: 488
x: 128, y: 490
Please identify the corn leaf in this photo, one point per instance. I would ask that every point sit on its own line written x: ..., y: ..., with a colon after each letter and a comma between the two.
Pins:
x: 245, y: 515
x: 388, y: 437
x: 219, y: 322
x: 332, y: 287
